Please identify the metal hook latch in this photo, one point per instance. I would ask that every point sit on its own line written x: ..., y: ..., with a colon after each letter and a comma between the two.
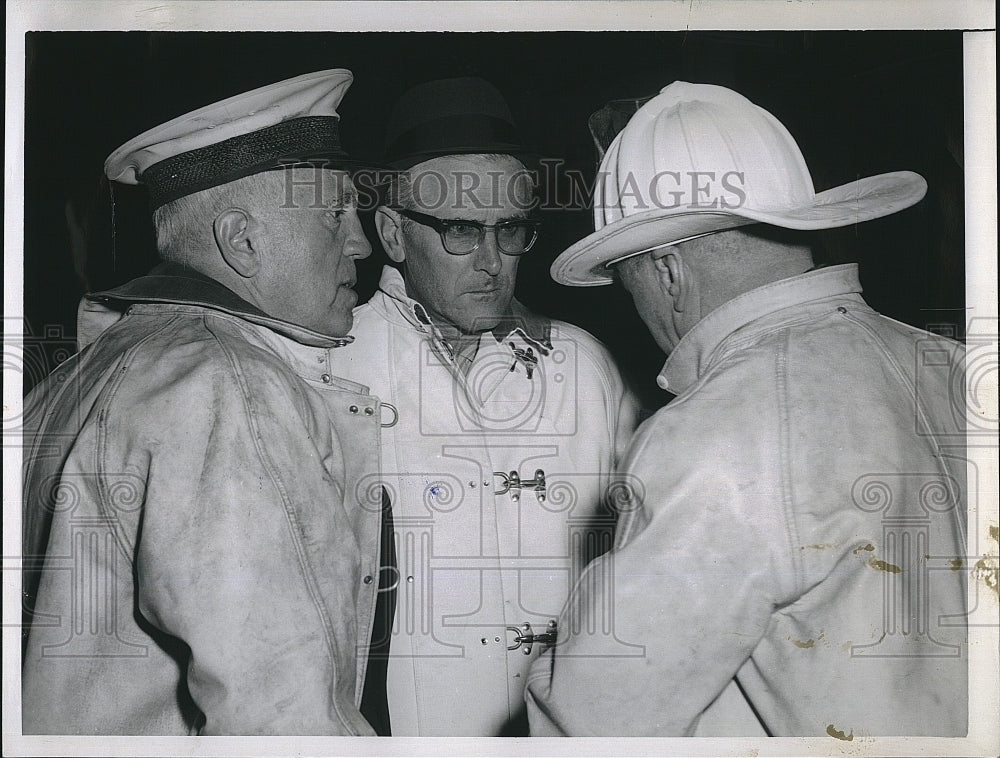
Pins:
x: 513, y: 483
x: 524, y: 638
x: 395, y: 415
x: 526, y: 357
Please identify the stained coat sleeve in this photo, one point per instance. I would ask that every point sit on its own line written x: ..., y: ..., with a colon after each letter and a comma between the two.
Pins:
x: 656, y: 628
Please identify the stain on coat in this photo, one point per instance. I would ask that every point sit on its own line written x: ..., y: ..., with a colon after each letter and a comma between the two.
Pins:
x: 987, y: 570
x: 867, y: 548
x: 834, y: 732
x: 892, y: 568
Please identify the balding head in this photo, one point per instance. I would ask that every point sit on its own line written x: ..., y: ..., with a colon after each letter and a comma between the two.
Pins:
x: 674, y: 287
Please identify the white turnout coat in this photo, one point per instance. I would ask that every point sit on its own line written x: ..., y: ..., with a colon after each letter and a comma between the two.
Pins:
x: 476, y: 563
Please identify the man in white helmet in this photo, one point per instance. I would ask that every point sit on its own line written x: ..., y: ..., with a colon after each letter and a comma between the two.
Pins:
x: 800, y: 524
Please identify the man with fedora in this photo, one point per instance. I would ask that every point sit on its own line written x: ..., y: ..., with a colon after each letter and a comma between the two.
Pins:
x: 201, y: 554
x: 800, y: 527
x: 507, y: 425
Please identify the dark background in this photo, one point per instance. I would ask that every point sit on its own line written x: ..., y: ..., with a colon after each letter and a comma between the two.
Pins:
x: 859, y: 103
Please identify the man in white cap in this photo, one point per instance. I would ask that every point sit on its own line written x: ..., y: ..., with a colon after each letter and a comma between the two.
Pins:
x: 800, y: 527
x: 508, y: 424
x: 200, y: 555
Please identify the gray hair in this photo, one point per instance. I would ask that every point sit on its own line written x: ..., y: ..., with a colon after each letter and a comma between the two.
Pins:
x: 184, y: 226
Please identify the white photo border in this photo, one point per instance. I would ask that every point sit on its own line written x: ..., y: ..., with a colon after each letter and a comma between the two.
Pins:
x: 977, y: 18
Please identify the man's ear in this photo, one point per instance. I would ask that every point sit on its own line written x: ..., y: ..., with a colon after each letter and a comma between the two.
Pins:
x: 390, y: 230
x: 673, y: 275
x: 234, y: 231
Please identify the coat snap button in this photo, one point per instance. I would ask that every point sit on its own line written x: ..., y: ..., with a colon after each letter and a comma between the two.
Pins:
x: 369, y: 411
x: 326, y: 378
x: 368, y: 579
x: 841, y: 309
x: 353, y: 409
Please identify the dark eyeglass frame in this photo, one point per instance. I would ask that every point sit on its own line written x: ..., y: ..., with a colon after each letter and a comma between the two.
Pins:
x: 441, y: 226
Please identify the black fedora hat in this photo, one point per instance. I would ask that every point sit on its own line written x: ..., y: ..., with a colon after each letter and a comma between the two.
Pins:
x: 450, y: 117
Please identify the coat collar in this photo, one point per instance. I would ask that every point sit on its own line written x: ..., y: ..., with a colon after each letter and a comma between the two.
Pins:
x: 519, y: 325
x: 179, y: 285
x: 694, y: 352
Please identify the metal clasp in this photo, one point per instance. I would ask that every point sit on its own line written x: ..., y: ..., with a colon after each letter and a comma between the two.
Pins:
x: 395, y: 415
x: 524, y: 638
x: 395, y: 578
x: 513, y: 483
x: 526, y: 357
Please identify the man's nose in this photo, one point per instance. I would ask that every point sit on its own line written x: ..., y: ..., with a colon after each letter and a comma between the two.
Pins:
x: 487, y: 255
x: 357, y: 245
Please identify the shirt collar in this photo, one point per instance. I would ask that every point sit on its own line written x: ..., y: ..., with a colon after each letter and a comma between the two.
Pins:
x: 176, y: 284
x: 519, y: 325
x: 693, y: 353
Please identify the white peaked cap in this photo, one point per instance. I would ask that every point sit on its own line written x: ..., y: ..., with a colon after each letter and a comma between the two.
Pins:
x: 291, y: 120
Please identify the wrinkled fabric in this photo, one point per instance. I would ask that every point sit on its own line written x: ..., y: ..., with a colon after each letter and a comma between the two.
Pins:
x: 193, y: 496
x: 475, y: 561
x: 798, y: 527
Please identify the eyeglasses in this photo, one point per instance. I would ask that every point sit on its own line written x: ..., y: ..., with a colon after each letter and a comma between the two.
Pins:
x: 460, y: 237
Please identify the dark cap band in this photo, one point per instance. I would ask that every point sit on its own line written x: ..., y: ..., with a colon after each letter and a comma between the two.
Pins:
x: 301, y: 140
